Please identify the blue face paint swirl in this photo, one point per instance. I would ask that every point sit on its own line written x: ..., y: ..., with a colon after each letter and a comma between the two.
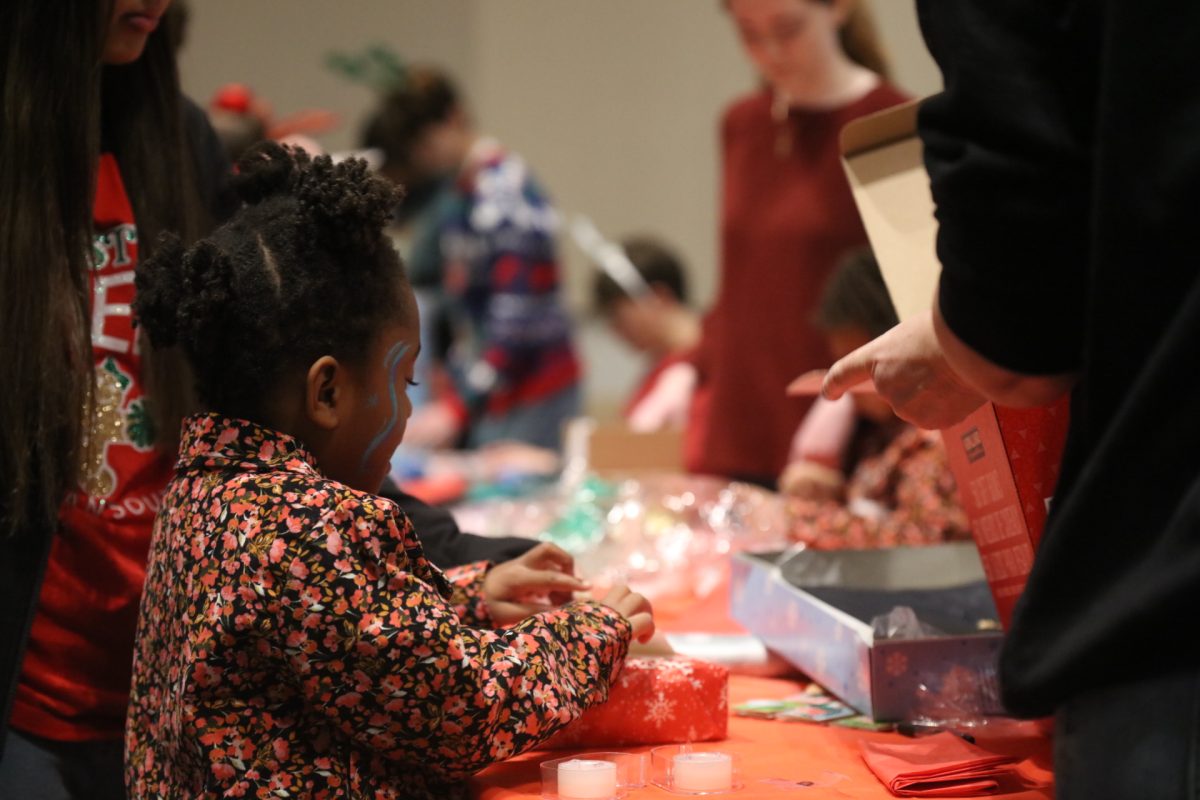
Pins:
x: 391, y: 364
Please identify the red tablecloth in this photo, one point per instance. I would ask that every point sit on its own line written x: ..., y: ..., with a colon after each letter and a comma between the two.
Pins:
x: 778, y: 758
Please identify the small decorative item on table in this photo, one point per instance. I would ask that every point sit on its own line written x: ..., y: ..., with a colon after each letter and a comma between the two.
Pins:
x: 656, y: 701
x: 686, y: 769
x: 593, y: 776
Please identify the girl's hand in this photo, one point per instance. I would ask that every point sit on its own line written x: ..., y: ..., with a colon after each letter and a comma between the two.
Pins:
x: 634, y: 608
x: 540, y: 580
x: 809, y: 481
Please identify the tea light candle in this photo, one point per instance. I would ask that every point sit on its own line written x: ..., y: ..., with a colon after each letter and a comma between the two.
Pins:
x: 585, y: 779
x: 702, y: 772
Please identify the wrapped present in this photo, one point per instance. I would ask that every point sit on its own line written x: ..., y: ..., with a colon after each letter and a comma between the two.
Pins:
x: 656, y: 701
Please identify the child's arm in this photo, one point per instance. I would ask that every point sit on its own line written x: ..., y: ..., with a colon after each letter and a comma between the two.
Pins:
x: 388, y: 661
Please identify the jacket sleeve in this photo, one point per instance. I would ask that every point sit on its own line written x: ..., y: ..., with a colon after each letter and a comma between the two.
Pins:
x: 1008, y: 145
x: 388, y: 661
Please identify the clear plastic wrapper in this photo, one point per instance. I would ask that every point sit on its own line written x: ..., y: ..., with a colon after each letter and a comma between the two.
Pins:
x: 668, y: 536
x: 902, y: 623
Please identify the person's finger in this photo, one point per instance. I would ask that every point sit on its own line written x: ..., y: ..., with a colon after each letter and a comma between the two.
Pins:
x: 549, y: 580
x: 850, y: 371
x: 548, y: 554
x: 643, y: 626
x: 616, y: 593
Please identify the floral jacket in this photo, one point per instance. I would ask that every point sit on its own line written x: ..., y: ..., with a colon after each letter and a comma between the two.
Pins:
x: 294, y: 641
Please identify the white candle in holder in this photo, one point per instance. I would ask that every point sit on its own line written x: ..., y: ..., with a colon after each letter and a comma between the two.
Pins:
x: 586, y: 779
x: 702, y: 772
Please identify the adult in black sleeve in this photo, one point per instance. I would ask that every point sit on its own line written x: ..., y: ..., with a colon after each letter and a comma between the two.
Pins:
x: 1064, y: 156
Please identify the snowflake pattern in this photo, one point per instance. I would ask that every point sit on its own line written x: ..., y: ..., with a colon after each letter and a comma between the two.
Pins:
x: 656, y: 701
x: 660, y: 709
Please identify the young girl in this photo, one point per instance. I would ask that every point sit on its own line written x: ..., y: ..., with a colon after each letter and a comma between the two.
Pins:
x: 893, y: 486
x: 294, y: 639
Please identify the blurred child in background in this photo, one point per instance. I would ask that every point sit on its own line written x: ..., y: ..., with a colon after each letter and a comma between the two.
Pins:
x: 487, y: 240
x: 893, y: 486
x: 659, y: 324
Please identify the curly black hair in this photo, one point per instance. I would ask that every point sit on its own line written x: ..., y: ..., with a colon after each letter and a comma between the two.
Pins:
x: 302, y: 270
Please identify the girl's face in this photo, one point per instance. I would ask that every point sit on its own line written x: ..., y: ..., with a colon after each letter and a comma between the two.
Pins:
x: 789, y: 41
x: 441, y: 147
x: 130, y: 26
x: 379, y: 407
x: 638, y: 323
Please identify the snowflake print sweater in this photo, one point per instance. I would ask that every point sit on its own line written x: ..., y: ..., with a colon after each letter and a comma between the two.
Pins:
x: 294, y: 641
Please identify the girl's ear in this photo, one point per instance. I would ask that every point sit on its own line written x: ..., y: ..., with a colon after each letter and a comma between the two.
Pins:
x: 323, y: 392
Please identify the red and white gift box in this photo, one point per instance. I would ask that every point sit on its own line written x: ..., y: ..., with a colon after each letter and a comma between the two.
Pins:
x: 655, y: 701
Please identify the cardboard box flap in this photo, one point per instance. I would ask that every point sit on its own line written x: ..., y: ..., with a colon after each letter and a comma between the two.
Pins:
x: 1005, y: 461
x: 885, y: 166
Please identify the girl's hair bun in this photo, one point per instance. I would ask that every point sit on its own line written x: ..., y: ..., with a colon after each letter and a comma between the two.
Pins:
x: 266, y: 169
x: 158, y: 280
x: 347, y: 204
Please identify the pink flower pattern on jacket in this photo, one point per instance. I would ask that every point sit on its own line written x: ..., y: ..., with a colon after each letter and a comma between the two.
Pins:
x: 294, y: 641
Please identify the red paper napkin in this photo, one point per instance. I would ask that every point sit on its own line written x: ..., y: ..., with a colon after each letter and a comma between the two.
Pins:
x: 942, y: 765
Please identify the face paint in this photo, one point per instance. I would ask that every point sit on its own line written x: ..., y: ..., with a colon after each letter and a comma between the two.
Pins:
x: 392, y: 366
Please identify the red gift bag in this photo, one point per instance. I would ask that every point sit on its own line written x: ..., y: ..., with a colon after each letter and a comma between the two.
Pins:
x: 655, y: 701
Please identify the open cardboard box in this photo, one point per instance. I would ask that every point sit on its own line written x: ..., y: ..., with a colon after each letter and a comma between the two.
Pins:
x: 816, y: 609
x: 1005, y: 460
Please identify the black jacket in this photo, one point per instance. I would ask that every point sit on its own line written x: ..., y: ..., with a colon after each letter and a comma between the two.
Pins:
x: 1064, y: 156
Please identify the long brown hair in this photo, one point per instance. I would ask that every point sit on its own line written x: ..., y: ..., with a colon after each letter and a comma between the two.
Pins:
x: 143, y: 125
x: 50, y: 96
x: 860, y: 40
x: 53, y: 90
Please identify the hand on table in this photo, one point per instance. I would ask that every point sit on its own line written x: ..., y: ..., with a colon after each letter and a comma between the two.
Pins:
x: 633, y: 607
x: 808, y: 480
x: 669, y: 401
x: 911, y: 373
x: 541, y: 579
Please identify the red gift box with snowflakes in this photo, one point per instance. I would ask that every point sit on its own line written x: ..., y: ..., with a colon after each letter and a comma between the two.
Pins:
x: 655, y: 701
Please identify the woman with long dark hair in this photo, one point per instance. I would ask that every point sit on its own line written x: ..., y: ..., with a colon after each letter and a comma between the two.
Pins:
x: 99, y: 154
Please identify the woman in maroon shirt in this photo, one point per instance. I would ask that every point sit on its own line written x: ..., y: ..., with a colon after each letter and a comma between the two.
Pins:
x: 787, y: 215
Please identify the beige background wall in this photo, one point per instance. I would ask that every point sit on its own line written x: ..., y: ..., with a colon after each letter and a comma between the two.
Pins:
x: 614, y: 102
